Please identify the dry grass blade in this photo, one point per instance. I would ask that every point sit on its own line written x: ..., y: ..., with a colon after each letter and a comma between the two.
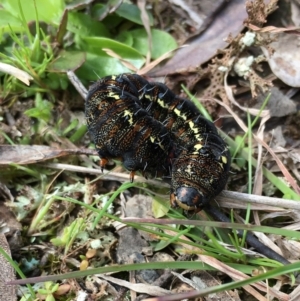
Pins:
x: 154, y: 63
x: 124, y: 62
x: 273, y: 29
x: 146, y: 22
x: 230, y: 96
x: 137, y: 287
x: 16, y: 72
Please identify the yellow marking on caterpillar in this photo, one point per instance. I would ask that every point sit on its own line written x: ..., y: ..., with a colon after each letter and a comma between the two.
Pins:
x: 189, y: 169
x: 162, y: 103
x: 193, y: 127
x: 195, y: 130
x: 130, y: 114
x: 178, y: 113
x: 197, y: 147
x: 114, y: 95
x: 224, y: 159
x: 113, y: 77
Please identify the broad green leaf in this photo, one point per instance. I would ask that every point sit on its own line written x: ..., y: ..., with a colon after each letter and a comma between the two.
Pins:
x: 105, y: 63
x: 126, y: 11
x: 8, y: 22
x: 162, y: 42
x: 96, y: 45
x: 55, y: 81
x: 49, y: 11
x: 84, y: 25
x: 158, y: 208
x: 67, y: 60
x: 126, y: 38
x: 97, y: 66
x: 131, y: 12
x: 240, y: 141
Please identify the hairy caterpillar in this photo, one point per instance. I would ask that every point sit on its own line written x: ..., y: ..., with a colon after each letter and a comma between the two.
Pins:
x: 201, y: 165
x: 152, y: 130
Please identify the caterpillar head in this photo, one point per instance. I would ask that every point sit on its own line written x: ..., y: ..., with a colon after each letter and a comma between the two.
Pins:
x: 188, y: 198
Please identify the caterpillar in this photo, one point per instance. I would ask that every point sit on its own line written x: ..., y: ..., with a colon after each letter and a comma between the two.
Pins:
x: 154, y: 131
x: 200, y: 157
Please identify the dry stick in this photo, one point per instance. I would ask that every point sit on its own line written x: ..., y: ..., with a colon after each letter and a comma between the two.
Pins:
x: 225, y: 196
x: 107, y: 175
x: 77, y: 84
x: 7, y: 273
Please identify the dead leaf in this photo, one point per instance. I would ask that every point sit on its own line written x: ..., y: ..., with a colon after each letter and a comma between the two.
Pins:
x: 285, y: 61
x: 279, y: 104
x: 138, y: 287
x: 229, y: 20
x: 28, y: 154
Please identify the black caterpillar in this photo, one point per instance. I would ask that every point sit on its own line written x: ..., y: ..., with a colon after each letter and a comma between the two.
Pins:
x: 198, y: 157
x: 154, y: 131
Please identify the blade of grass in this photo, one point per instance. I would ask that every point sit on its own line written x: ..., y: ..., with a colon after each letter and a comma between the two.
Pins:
x: 17, y: 269
x: 287, y: 269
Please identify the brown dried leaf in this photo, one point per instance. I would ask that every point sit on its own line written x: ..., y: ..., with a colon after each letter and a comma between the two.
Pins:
x: 285, y: 61
x: 138, y: 287
x: 279, y: 104
x: 229, y: 20
x: 28, y: 154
